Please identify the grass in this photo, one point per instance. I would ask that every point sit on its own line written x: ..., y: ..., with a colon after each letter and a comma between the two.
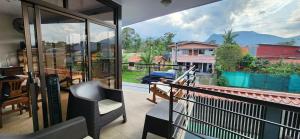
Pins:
x: 133, y: 76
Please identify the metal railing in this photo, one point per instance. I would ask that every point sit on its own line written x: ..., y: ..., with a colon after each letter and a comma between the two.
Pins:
x: 148, y: 68
x: 227, y: 116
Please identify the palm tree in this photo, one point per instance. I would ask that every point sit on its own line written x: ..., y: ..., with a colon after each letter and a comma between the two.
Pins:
x: 147, y: 58
x: 229, y: 37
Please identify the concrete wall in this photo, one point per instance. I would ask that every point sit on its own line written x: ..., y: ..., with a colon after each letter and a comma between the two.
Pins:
x: 9, y: 41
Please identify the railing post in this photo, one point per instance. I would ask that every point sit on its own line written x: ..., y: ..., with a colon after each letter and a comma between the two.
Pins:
x: 149, y: 71
x: 171, y: 114
x: 187, y: 94
x: 271, y: 131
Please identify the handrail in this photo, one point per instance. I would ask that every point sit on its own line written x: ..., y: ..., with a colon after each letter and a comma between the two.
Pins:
x: 183, y: 75
x: 154, y: 64
x: 235, y: 115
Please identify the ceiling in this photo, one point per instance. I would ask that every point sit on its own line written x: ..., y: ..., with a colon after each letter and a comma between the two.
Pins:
x: 134, y: 11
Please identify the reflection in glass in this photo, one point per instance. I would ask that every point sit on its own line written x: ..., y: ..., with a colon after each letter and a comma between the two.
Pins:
x: 103, y: 54
x: 63, y: 39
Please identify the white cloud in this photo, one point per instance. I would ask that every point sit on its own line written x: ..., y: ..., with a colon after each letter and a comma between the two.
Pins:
x: 276, y: 17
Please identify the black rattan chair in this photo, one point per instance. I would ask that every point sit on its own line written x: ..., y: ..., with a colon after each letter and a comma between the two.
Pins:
x: 90, y: 100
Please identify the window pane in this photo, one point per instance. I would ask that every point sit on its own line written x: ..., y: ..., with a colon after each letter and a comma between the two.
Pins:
x: 63, y: 39
x: 103, y: 54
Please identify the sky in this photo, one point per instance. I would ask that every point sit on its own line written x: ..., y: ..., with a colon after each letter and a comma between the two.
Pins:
x: 275, y: 17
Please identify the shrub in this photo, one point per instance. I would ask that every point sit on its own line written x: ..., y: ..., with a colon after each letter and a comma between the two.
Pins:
x: 221, y: 81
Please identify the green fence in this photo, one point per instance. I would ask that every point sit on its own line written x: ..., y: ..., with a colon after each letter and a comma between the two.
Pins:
x: 289, y: 83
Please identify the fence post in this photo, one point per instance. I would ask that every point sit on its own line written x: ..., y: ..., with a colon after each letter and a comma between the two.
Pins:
x: 271, y: 131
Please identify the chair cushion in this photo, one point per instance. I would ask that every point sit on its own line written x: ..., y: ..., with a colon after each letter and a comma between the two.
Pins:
x: 88, y: 137
x: 89, y: 90
x: 108, y: 105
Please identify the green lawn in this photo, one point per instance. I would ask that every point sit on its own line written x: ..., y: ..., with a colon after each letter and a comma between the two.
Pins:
x: 133, y: 76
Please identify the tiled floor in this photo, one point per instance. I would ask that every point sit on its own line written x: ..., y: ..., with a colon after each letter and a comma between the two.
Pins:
x: 136, y: 108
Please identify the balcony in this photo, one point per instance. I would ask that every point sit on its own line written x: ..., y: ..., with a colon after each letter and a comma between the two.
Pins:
x: 210, y: 111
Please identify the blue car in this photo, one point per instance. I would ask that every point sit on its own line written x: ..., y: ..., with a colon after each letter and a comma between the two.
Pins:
x: 156, y: 75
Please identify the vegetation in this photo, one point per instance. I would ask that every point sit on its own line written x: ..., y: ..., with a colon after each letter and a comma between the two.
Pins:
x: 131, y: 40
x: 150, y: 47
x: 133, y: 76
x: 229, y: 37
x: 253, y: 64
x: 221, y: 81
x: 229, y: 54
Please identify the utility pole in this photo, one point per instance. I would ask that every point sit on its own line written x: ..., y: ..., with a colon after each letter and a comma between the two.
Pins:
x: 176, y: 47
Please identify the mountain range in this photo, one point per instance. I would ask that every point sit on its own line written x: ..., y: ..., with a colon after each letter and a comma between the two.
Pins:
x: 251, y: 39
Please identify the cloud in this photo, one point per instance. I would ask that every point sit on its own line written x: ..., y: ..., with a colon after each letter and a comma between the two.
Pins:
x: 276, y: 17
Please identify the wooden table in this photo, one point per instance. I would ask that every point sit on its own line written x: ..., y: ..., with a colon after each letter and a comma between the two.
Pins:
x: 11, y: 71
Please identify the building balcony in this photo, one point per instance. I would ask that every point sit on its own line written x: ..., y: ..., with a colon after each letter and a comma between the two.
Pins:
x: 195, y: 58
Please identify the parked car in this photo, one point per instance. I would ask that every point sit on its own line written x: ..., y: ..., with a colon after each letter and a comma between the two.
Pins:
x: 156, y: 75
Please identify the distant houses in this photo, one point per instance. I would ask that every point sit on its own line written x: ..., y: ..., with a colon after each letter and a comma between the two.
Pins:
x: 136, y: 59
x: 275, y: 53
x: 133, y: 60
x: 191, y: 53
x: 201, y: 55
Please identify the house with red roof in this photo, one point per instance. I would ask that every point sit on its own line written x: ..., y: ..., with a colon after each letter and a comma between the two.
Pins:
x: 274, y: 53
x: 135, y: 58
x: 194, y: 53
x: 160, y: 60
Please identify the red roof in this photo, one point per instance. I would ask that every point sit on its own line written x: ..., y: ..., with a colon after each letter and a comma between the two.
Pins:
x: 158, y: 59
x: 271, y: 96
x: 135, y: 58
x: 277, y: 51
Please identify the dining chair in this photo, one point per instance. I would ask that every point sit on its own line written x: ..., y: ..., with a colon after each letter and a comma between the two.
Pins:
x: 16, y: 97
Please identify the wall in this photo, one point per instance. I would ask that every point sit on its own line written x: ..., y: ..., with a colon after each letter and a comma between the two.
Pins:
x: 263, y: 81
x: 9, y: 41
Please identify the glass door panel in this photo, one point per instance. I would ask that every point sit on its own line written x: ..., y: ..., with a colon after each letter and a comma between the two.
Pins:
x: 64, y: 50
x: 103, y: 46
x: 64, y: 44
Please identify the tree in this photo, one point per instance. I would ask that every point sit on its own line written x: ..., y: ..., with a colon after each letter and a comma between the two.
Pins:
x: 137, y: 43
x: 127, y: 35
x: 229, y: 54
x: 168, y: 39
x: 147, y: 56
x: 229, y: 37
x: 247, y: 61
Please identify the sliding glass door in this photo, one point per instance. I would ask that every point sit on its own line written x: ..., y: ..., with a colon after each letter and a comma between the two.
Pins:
x: 73, y: 47
x: 103, y: 47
